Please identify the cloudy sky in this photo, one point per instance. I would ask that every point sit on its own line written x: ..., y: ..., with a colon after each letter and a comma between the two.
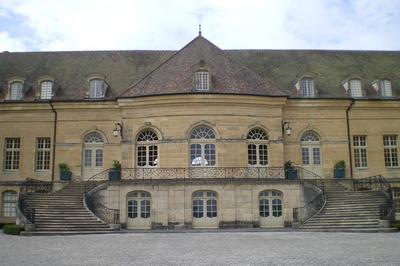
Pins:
x: 42, y: 25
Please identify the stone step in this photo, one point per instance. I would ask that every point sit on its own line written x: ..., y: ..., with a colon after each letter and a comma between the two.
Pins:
x: 338, y: 226
x: 350, y: 230
x: 66, y: 233
x: 74, y: 229
x: 69, y: 223
x: 343, y: 222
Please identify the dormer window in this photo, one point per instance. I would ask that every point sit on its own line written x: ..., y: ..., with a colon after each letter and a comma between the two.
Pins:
x: 202, y: 81
x: 96, y: 88
x: 385, y: 88
x: 307, y: 87
x: 16, y: 91
x: 46, y: 90
x: 355, y: 89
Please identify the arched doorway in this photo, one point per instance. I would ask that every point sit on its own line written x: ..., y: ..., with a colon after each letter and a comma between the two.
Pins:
x: 92, y: 156
x: 271, y: 208
x: 138, y: 210
x: 205, y: 209
x: 311, y: 158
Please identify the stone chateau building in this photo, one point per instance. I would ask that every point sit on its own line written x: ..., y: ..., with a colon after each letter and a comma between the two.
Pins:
x: 202, y: 133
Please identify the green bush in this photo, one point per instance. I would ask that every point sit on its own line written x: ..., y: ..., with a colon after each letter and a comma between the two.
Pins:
x: 396, y: 225
x: 13, y: 229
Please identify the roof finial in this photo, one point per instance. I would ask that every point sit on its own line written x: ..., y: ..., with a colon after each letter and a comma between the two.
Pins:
x: 199, y: 29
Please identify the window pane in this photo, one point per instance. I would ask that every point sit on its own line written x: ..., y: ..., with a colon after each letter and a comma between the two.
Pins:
x: 99, y: 157
x: 145, y: 208
x: 9, y: 203
x: 209, y: 154
x: 276, y: 207
x: 306, y: 87
x: 252, y: 154
x: 195, y: 155
x: 132, y: 209
x: 95, y: 90
x: 88, y: 158
x: 153, y: 154
x: 386, y: 88
x: 360, y: 151
x: 305, y: 156
x: 198, y: 209
x: 202, y: 81
x: 16, y: 91
x: 355, y: 88
x: 46, y: 88
x: 12, y: 152
x: 390, y: 150
x: 264, y: 207
x: 43, y: 148
x: 316, y: 156
x: 263, y: 154
x: 141, y: 156
x: 211, y: 208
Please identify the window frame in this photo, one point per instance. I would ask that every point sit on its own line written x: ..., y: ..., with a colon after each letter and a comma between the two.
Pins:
x: 352, y: 88
x: 15, y: 154
x: 204, y: 202
x: 202, y: 81
x: 307, y: 85
x: 208, y: 147
x: 93, y: 89
x: 139, y: 204
x: 11, y: 202
x: 12, y: 88
x: 147, y: 147
x: 43, y: 153
x: 383, y: 88
x: 358, y: 150
x: 50, y: 87
x: 257, y: 141
x: 390, y: 151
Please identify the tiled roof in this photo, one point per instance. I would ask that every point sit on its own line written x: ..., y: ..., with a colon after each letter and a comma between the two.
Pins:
x: 261, y: 72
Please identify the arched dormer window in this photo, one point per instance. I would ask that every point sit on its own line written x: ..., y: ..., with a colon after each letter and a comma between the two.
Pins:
x: 307, y: 87
x: 355, y: 88
x: 97, y: 88
x: 16, y: 91
x: 46, y: 89
x: 202, y: 80
x: 385, y: 88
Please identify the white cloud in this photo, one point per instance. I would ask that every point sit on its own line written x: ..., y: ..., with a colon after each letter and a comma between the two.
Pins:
x: 140, y: 24
x: 11, y: 44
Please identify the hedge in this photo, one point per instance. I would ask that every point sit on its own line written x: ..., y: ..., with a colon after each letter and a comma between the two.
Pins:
x: 13, y: 229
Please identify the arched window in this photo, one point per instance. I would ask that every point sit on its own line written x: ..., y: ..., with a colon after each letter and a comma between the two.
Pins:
x: 10, y: 200
x: 257, y: 150
x: 355, y: 88
x: 202, y: 81
x: 270, y: 203
x: 139, y: 204
x: 204, y: 204
x: 96, y: 88
x: 202, y: 147
x: 147, y: 148
x: 307, y: 87
x: 385, y: 88
x: 46, y: 90
x: 16, y: 91
x: 92, y: 154
x: 311, y: 151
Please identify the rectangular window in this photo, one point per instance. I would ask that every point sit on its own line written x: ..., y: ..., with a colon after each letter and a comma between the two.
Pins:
x: 16, y: 91
x: 263, y: 153
x: 12, y: 152
x: 9, y: 203
x: 153, y: 154
x: 209, y: 150
x: 141, y: 156
x: 390, y: 150
x: 43, y: 148
x: 195, y: 154
x: 396, y: 198
x: 202, y: 81
x: 360, y: 151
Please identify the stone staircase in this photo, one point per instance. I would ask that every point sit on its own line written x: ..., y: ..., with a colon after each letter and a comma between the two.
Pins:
x: 64, y: 212
x: 348, y: 211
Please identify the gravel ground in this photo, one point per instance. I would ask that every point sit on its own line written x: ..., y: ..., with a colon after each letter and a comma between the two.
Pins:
x: 229, y: 248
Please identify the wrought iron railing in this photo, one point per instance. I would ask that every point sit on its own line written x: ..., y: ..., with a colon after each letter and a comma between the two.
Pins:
x: 311, y: 208
x: 29, y: 186
x: 377, y: 182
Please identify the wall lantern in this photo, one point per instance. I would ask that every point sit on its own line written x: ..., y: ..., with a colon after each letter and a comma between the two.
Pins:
x: 286, y: 129
x: 117, y: 129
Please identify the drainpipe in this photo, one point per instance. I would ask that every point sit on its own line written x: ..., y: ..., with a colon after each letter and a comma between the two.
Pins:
x: 348, y: 136
x: 54, y: 141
